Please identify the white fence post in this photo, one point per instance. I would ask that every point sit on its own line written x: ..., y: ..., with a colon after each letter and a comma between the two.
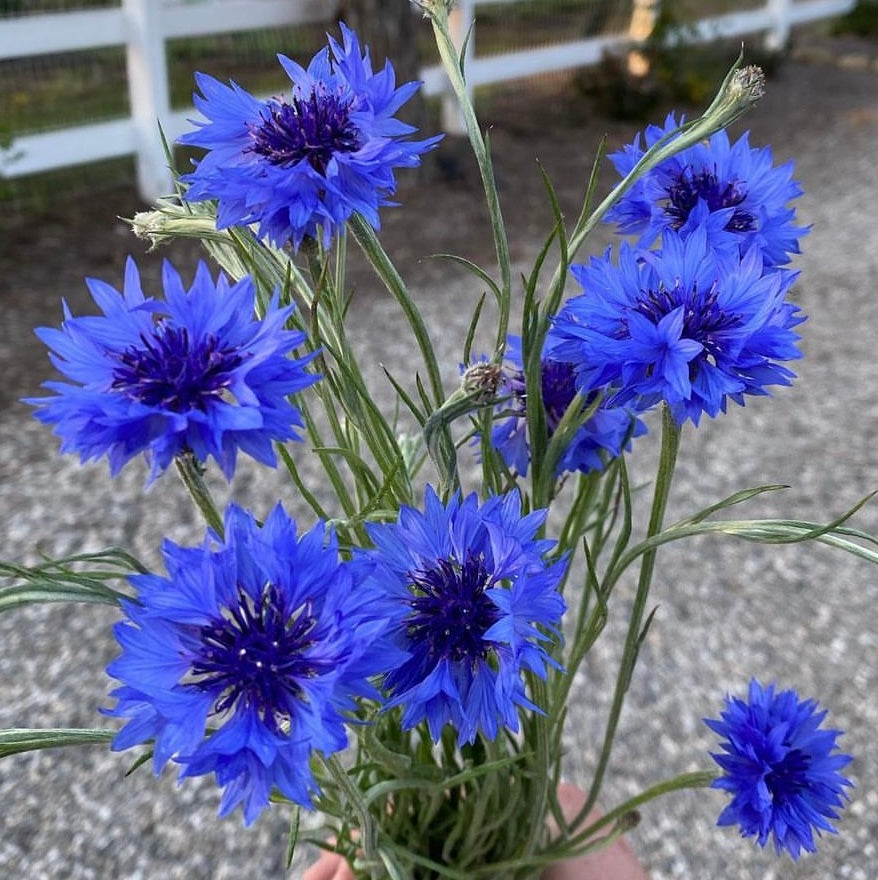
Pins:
x: 460, y: 23
x: 778, y: 35
x: 146, y: 61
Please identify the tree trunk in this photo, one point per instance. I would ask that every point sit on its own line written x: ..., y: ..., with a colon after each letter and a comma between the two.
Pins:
x: 390, y: 29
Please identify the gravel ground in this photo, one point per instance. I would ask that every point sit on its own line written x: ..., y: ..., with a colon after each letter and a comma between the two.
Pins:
x: 805, y: 616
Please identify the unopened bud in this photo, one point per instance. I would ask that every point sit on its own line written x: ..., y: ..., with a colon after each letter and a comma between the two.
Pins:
x: 482, y: 381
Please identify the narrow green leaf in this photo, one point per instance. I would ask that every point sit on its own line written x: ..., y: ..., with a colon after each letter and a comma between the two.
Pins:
x: 141, y: 760
x: 405, y: 397
x: 293, y: 837
x: 391, y: 864
x: 48, y: 592
x: 16, y: 740
x: 477, y: 270
x: 730, y: 501
x: 471, y: 331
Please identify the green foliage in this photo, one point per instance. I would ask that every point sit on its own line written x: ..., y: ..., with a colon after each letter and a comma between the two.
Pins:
x: 681, y: 73
x: 862, y: 20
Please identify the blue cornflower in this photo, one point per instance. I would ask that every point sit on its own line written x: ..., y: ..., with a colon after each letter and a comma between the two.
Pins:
x: 195, y: 374
x: 244, y: 660
x: 305, y: 161
x: 481, y: 598
x: 686, y: 325
x: 781, y: 768
x: 732, y: 189
x: 608, y: 430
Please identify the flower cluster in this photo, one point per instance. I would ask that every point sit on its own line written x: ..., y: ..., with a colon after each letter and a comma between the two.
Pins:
x: 253, y: 653
x: 483, y: 599
x: 733, y: 190
x: 263, y: 651
x: 703, y: 319
x: 299, y: 165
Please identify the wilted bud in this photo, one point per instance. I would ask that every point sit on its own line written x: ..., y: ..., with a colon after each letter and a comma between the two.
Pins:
x: 747, y: 85
x: 741, y: 89
x: 169, y: 219
x: 482, y: 381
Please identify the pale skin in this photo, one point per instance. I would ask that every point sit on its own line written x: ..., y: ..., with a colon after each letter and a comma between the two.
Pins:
x: 616, y: 862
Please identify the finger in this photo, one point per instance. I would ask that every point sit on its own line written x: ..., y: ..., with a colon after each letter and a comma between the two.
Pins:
x: 330, y: 866
x: 616, y: 862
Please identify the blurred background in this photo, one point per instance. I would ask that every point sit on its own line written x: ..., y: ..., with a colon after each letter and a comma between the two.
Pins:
x: 48, y: 88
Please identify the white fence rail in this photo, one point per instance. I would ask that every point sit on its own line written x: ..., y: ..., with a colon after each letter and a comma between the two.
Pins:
x: 144, y: 26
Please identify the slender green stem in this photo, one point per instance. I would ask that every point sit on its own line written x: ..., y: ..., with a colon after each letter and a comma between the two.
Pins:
x: 736, y: 95
x: 541, y: 766
x: 572, y: 845
x: 368, y: 830
x: 192, y: 475
x: 381, y: 263
x: 448, y: 54
x: 664, y: 476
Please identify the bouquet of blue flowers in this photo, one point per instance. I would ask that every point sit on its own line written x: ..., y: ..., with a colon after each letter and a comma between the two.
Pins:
x: 399, y: 657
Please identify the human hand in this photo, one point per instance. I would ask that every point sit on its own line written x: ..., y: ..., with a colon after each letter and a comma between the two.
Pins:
x: 616, y: 862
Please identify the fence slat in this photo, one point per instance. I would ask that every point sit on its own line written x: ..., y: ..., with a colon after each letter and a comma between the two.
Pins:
x: 79, y: 145
x: 61, y: 32
x: 189, y: 19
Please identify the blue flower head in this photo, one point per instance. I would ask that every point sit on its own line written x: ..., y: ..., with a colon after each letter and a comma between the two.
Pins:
x: 781, y: 768
x: 300, y: 164
x: 685, y: 325
x: 482, y: 600
x: 244, y: 660
x: 604, y: 435
x: 735, y: 190
x: 196, y: 373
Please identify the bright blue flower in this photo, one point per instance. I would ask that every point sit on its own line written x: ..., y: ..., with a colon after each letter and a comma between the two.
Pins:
x: 482, y: 599
x: 686, y: 325
x: 732, y: 189
x: 245, y: 660
x: 304, y: 162
x: 195, y: 374
x: 604, y: 435
x: 781, y: 768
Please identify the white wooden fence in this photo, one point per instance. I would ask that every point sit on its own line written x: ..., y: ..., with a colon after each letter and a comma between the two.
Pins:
x: 144, y: 26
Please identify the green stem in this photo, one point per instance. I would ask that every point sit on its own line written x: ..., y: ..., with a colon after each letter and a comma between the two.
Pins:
x: 381, y: 263
x: 448, y: 54
x: 664, y: 476
x: 368, y: 830
x: 737, y: 94
x: 192, y: 475
x: 573, y: 845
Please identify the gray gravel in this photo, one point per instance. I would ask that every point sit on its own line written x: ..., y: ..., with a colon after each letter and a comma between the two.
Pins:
x: 805, y: 616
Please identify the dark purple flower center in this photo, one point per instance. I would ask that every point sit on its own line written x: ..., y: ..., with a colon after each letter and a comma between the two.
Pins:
x: 703, y: 316
x: 788, y: 777
x: 450, y: 611
x: 314, y: 128
x: 689, y: 187
x: 173, y: 371
x: 255, y: 656
x: 559, y: 389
